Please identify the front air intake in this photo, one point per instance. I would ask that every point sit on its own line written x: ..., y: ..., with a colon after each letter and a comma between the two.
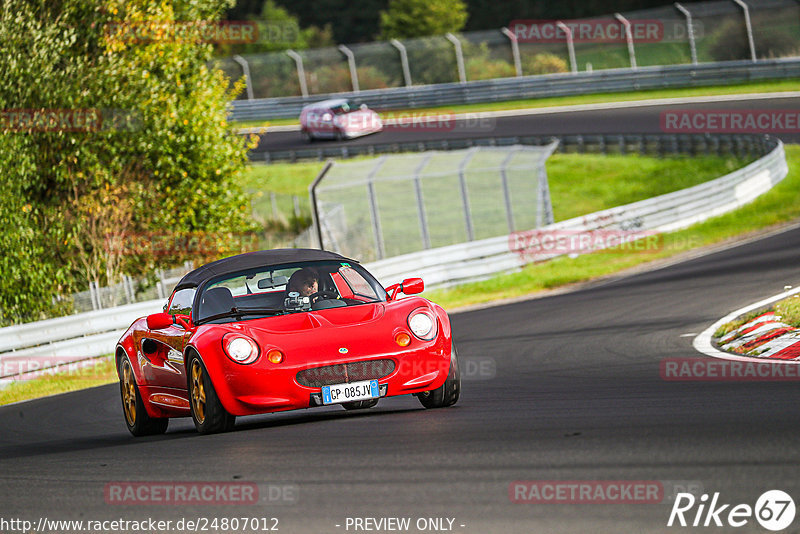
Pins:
x: 317, y: 377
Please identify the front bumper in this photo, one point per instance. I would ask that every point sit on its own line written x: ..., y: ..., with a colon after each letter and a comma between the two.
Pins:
x: 264, y: 387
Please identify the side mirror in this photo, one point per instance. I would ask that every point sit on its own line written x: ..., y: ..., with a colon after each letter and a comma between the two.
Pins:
x: 409, y: 286
x: 412, y: 286
x: 159, y: 321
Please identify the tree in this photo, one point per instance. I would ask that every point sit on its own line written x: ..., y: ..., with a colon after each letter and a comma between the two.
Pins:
x: 119, y: 129
x: 422, y: 18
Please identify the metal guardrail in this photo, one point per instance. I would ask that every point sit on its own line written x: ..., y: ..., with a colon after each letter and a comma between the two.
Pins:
x: 24, y: 336
x: 95, y: 333
x: 539, y: 86
x: 481, y: 259
x: 646, y: 144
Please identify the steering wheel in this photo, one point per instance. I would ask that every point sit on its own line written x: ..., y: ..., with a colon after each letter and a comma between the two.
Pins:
x: 323, y: 295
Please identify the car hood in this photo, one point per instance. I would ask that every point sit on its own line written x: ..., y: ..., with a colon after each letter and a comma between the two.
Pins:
x: 326, y: 336
x: 313, y: 320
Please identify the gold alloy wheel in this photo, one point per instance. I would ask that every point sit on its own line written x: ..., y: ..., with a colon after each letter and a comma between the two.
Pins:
x: 128, y: 393
x: 198, y: 392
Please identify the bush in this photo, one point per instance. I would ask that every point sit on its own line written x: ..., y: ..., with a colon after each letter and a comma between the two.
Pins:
x: 730, y: 42
x: 544, y: 63
x: 481, y: 66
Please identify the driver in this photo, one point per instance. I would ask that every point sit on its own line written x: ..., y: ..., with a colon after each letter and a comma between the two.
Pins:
x: 305, y: 281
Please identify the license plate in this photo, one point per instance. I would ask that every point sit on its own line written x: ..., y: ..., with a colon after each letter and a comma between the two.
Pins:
x: 354, y: 391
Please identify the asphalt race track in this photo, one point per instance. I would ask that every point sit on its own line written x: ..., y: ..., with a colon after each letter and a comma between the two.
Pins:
x: 576, y: 395
x: 644, y: 119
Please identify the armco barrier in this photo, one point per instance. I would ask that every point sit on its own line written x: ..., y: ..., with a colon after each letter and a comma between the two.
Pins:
x: 68, y: 339
x: 13, y: 338
x: 539, y: 86
x: 645, y: 144
x: 95, y: 333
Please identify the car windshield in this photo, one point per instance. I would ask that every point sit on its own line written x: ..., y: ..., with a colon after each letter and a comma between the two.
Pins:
x: 347, y: 106
x: 282, y: 289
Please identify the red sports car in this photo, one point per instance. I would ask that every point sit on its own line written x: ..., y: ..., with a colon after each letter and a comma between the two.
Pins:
x: 280, y: 330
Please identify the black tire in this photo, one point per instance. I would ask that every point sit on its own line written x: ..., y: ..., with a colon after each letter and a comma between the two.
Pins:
x: 137, y: 420
x: 307, y: 137
x: 360, y: 405
x: 338, y: 135
x: 208, y: 414
x: 447, y: 394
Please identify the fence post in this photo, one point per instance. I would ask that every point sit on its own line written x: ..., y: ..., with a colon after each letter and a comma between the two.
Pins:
x: 274, y: 201
x: 514, y: 49
x: 246, y: 70
x: 160, y: 286
x: 94, y: 297
x: 127, y: 283
x: 506, y: 193
x: 423, y: 220
x: 312, y: 193
x: 296, y: 206
x: 689, y: 31
x: 351, y: 62
x: 301, y: 73
x: 749, y: 27
x: 403, y: 60
x: 628, y: 38
x: 464, y: 196
x: 545, y: 210
x: 373, y: 208
x: 462, y: 77
x: 570, y: 45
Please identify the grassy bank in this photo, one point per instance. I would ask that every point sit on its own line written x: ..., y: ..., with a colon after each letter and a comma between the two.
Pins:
x: 102, y: 372
x: 769, y: 86
x: 779, y: 205
x: 787, y: 311
x: 579, y: 183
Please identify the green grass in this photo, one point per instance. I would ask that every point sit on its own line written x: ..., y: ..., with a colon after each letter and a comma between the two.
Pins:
x: 103, y: 372
x: 779, y: 205
x: 286, y: 180
x: 736, y: 323
x: 788, y: 310
x: 579, y: 183
x: 282, y: 178
x: 585, y: 183
x: 770, y: 86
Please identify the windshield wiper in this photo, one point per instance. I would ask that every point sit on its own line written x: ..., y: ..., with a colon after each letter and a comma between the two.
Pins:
x: 239, y: 312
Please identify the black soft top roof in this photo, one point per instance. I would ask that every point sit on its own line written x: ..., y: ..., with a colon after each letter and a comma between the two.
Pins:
x: 251, y: 260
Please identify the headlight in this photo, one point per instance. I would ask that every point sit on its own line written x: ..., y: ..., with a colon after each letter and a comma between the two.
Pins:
x: 423, y: 324
x: 240, y: 349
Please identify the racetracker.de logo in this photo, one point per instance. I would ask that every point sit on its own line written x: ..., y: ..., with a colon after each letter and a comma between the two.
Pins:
x: 68, y: 120
x: 587, y: 31
x: 224, y: 32
x: 535, y: 245
x: 715, y: 370
x: 202, y: 493
x: 586, y: 491
x: 172, y: 244
x: 730, y: 121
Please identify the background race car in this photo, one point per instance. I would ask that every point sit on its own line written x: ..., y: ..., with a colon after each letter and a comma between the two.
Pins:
x: 338, y: 119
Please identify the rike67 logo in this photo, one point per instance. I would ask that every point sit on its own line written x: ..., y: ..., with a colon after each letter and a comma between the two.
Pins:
x: 774, y: 510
